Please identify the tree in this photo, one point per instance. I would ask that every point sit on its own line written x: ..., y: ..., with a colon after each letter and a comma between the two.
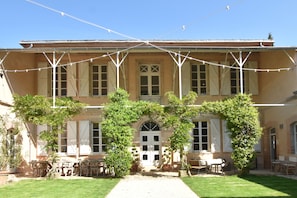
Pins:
x: 119, y: 114
x: 179, y: 114
x: 38, y: 110
x: 244, y: 127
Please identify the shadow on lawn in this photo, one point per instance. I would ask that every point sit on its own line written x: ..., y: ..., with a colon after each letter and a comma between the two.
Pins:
x: 281, y: 184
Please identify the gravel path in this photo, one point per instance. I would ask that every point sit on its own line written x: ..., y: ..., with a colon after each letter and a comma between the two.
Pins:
x: 135, y: 186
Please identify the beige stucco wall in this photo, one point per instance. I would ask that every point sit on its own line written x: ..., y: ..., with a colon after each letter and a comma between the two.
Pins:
x: 274, y: 87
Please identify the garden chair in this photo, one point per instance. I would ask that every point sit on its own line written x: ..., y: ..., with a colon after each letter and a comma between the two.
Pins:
x: 84, y: 168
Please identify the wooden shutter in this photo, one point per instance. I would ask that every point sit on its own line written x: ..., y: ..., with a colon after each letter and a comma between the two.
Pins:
x: 227, y: 147
x: 84, y: 137
x: 215, y: 135
x: 111, y: 77
x: 71, y: 138
x: 83, y: 70
x: 186, y: 78
x: 71, y: 80
x: 213, y: 79
x: 253, y: 78
x: 43, y: 82
x: 225, y: 80
x: 41, y: 151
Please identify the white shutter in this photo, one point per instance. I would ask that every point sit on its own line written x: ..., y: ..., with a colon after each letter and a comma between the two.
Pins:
x: 71, y: 138
x: 111, y: 77
x: 186, y: 78
x: 84, y: 137
x: 225, y: 80
x: 253, y: 78
x: 43, y: 83
x: 41, y: 151
x: 71, y: 80
x: 213, y: 79
x: 227, y: 147
x: 215, y: 135
x: 83, y: 69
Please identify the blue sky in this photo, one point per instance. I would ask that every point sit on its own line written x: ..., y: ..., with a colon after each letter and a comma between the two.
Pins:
x: 148, y: 20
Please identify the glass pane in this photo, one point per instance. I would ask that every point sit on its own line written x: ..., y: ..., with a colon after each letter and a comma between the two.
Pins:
x: 95, y: 140
x: 196, y: 139
x: 103, y: 76
x: 144, y: 138
x: 155, y: 90
x: 144, y: 148
x: 95, y: 148
x: 204, y: 131
x: 95, y: 68
x: 155, y: 80
x: 104, y: 69
x: 194, y: 75
x: 204, y: 146
x: 204, y: 124
x: 104, y: 92
x: 156, y: 157
x: 104, y: 83
x: 156, y: 147
x: 144, y: 157
x: 202, y: 67
x: 202, y: 75
x: 196, y: 147
x: 95, y: 77
x: 194, y: 68
x: 95, y: 92
x: 204, y: 139
x: 144, y: 90
x: 195, y: 132
x: 156, y: 138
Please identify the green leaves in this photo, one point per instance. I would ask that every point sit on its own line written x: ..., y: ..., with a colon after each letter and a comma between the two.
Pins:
x: 38, y: 110
x: 243, y: 124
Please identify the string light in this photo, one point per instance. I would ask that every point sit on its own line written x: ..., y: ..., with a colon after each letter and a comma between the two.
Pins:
x: 130, y: 37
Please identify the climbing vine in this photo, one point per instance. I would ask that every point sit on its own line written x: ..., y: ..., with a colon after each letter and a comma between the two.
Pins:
x: 243, y: 124
x: 38, y: 110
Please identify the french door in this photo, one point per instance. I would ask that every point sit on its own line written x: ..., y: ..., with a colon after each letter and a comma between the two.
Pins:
x: 150, y: 148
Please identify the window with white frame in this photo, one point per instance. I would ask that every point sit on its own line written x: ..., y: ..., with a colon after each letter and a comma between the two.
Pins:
x: 200, y: 136
x: 98, y: 141
x: 61, y: 81
x: 149, y: 80
x: 63, y: 142
x: 235, y: 80
x: 294, y: 138
x: 199, y: 79
x: 99, y: 80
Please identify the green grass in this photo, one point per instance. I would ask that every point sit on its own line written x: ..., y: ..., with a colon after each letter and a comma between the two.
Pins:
x: 250, y: 186
x: 86, y: 188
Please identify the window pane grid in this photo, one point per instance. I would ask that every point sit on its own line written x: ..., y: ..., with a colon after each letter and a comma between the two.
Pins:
x: 199, y: 79
x: 149, y: 80
x: 99, y: 80
x: 200, y: 136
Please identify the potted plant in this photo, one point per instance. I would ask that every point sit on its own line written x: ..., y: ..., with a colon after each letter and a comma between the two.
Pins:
x: 10, y: 149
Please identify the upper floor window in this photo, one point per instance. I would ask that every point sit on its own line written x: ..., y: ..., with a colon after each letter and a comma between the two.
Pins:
x: 61, y: 81
x: 235, y: 81
x: 99, y: 80
x: 149, y: 80
x: 199, y: 79
x: 200, y: 136
x: 98, y: 141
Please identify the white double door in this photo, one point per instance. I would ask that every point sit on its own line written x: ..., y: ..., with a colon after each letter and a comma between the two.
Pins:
x: 150, y: 148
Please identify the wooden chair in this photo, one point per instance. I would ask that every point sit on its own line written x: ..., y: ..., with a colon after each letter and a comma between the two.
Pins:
x: 84, y: 168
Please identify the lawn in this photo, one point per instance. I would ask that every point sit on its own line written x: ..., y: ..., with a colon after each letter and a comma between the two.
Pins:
x: 73, y: 188
x: 251, y: 186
